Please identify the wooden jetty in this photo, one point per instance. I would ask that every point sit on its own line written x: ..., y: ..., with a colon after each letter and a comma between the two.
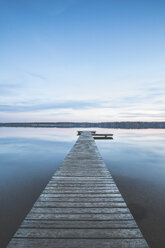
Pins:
x: 98, y: 135
x: 81, y: 207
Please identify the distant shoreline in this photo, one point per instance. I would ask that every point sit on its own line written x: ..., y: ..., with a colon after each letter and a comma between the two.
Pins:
x: 122, y: 125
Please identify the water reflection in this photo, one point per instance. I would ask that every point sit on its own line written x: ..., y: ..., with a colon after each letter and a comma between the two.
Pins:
x: 136, y: 159
x: 28, y: 158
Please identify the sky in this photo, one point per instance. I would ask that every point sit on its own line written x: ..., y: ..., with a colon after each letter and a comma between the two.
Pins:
x: 82, y: 60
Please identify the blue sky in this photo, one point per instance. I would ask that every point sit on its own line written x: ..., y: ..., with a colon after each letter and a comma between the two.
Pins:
x: 82, y: 60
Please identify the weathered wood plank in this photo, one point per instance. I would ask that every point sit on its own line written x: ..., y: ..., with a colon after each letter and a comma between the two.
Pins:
x: 79, y: 224
x: 102, y: 134
x: 87, y: 179
x: 78, y: 183
x: 91, y: 216
x: 82, y: 180
x: 80, y: 204
x: 78, y: 243
x: 78, y: 233
x: 80, y: 191
x: 80, y: 210
x: 90, y: 195
x: 82, y: 199
x: 83, y: 187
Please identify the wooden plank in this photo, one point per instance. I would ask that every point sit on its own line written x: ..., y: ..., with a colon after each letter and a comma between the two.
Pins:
x: 81, y: 206
x: 82, y: 179
x: 80, y: 210
x: 79, y: 224
x: 81, y: 186
x: 72, y: 183
x: 90, y: 195
x: 92, y: 216
x: 78, y: 191
x: 103, y: 137
x: 82, y: 199
x: 103, y: 134
x: 78, y: 233
x: 78, y: 243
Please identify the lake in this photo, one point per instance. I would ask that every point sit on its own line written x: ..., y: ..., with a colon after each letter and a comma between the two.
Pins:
x: 135, y: 158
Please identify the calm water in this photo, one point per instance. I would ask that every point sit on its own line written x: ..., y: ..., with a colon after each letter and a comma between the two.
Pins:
x: 136, y: 159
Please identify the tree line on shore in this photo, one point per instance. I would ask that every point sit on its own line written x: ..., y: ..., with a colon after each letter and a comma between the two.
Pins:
x: 123, y: 124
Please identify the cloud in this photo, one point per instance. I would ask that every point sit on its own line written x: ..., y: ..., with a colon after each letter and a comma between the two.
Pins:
x: 48, y: 106
x: 7, y: 88
x: 134, y: 115
x: 132, y: 105
x: 36, y: 75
